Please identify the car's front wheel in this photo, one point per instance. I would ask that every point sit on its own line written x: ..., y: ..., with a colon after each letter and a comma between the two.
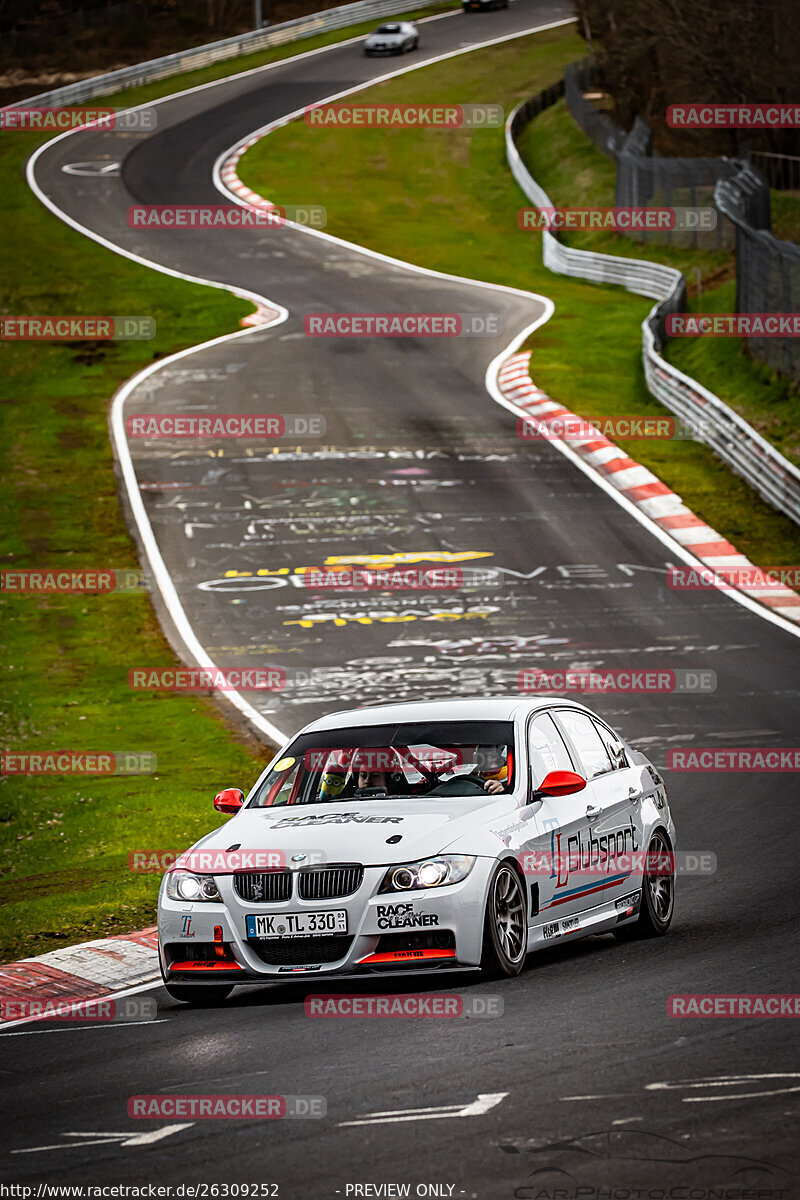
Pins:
x: 505, y: 927
x: 198, y: 995
x: 658, y: 892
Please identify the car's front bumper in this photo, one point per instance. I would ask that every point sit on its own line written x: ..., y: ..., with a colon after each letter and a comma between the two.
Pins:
x: 446, y: 933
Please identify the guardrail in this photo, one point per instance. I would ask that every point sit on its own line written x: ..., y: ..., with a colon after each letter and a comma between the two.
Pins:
x: 204, y: 56
x: 748, y: 454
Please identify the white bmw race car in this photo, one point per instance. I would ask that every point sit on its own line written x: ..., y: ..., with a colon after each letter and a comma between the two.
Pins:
x: 449, y: 835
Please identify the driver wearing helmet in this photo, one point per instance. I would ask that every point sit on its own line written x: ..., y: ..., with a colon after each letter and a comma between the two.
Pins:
x: 377, y: 769
x: 491, y: 768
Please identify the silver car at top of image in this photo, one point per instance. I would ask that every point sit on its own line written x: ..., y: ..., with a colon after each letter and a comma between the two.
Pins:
x: 394, y: 37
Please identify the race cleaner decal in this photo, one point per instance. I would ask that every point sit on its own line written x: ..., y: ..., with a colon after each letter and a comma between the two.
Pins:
x: 348, y: 818
x: 397, y: 916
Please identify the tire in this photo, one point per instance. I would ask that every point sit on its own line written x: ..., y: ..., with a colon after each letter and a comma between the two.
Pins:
x: 505, y: 925
x: 658, y: 898
x: 199, y: 996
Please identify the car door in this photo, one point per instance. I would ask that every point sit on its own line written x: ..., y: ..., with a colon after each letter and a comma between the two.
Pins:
x: 612, y: 835
x: 557, y: 823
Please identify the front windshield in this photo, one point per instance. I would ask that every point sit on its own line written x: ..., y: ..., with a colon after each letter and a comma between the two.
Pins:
x: 388, y: 29
x: 441, y: 759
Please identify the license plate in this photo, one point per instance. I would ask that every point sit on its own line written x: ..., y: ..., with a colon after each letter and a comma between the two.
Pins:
x: 304, y: 924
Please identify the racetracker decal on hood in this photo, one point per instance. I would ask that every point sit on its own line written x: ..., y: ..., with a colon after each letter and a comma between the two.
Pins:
x: 347, y: 818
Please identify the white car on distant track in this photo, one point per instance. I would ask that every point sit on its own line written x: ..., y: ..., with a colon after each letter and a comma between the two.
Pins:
x: 394, y: 37
x: 428, y: 835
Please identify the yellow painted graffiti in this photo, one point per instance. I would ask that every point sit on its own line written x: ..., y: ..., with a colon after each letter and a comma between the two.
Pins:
x: 379, y: 561
x: 309, y: 622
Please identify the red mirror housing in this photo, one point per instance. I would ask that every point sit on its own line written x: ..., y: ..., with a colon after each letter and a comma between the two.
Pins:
x: 560, y: 783
x: 230, y: 800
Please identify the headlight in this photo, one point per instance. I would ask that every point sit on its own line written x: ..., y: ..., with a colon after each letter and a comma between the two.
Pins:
x: 182, y: 885
x: 431, y: 872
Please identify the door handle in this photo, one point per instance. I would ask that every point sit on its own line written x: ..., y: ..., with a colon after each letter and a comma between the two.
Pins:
x: 593, y: 812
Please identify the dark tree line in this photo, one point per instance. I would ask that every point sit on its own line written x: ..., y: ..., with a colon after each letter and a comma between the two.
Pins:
x: 654, y: 53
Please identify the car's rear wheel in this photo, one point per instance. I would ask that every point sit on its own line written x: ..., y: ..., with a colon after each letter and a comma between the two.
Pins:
x: 199, y: 995
x: 658, y: 892
x: 505, y: 926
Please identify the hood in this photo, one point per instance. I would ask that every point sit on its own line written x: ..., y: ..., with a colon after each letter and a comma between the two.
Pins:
x: 385, y: 37
x: 357, y: 831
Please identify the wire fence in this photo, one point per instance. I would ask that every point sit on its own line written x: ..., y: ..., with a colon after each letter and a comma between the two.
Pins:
x: 782, y: 171
x: 767, y: 271
x: 645, y: 179
x: 758, y: 462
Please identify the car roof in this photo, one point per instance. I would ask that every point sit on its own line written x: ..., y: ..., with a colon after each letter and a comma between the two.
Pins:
x: 488, y: 708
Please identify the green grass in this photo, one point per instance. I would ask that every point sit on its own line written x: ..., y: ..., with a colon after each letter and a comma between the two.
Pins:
x: 65, y: 840
x: 446, y: 200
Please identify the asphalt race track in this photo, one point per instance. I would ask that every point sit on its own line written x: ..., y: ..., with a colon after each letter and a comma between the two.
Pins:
x: 586, y: 1080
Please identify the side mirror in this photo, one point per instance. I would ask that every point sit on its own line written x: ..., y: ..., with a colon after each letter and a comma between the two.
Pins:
x: 229, y: 801
x: 560, y: 783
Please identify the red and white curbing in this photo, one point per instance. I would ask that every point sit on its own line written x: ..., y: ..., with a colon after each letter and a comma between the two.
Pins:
x: 90, y: 971
x: 642, y: 487
x: 249, y: 199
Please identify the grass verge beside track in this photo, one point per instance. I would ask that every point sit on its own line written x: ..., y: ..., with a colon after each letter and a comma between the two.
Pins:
x: 445, y: 199
x: 65, y: 839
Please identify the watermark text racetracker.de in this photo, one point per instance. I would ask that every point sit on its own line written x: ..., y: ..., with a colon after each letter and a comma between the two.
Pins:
x: 617, y: 220
x: 33, y: 1007
x: 734, y: 758
x: 734, y: 116
x: 424, y: 1004
x: 405, y: 116
x: 766, y: 579
x: 402, y: 324
x: 225, y: 216
x: 611, y: 852
x: 226, y: 425
x: 215, y: 1107
x: 569, y: 427
x: 733, y: 1005
x: 77, y: 762
x: 617, y: 680
x: 30, y: 581
x: 218, y: 862
x: 734, y: 325
x: 32, y: 119
x: 74, y: 328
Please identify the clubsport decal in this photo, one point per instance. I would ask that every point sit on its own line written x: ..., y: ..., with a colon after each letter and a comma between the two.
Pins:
x: 397, y: 916
x: 348, y: 818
